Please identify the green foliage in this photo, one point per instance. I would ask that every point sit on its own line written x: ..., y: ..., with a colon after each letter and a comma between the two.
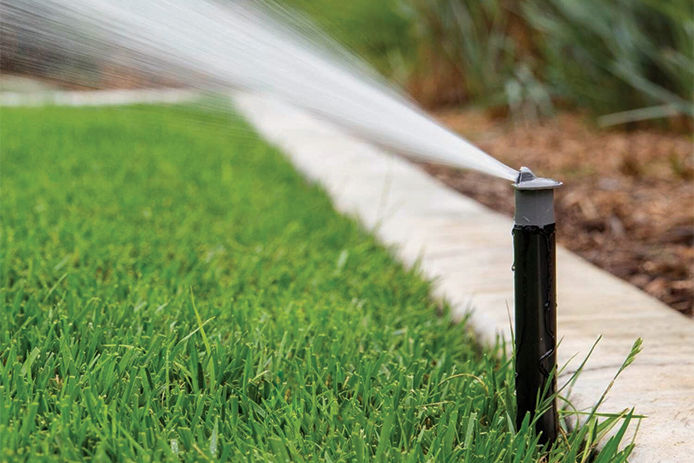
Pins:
x: 606, y: 56
x: 475, y: 40
x: 173, y: 291
x: 472, y: 38
x: 377, y: 31
x: 617, y: 55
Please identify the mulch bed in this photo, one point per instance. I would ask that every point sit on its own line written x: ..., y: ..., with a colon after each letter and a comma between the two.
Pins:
x: 628, y: 201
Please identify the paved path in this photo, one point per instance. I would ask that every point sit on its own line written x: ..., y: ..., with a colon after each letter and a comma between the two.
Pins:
x: 466, y: 249
x: 98, y: 97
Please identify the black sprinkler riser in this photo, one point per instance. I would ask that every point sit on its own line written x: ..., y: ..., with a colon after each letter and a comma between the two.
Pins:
x: 535, y: 301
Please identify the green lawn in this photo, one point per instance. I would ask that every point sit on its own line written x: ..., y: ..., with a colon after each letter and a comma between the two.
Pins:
x: 173, y: 290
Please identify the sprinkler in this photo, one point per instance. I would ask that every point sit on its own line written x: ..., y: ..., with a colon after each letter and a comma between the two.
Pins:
x: 535, y: 300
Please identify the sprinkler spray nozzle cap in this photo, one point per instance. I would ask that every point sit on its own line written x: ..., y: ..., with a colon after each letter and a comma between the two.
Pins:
x: 534, y: 199
x: 526, y: 180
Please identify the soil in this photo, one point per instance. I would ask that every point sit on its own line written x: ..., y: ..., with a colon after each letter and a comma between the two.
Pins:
x: 628, y: 201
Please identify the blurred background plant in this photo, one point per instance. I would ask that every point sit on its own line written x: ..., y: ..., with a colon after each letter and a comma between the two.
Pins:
x: 617, y: 56
x: 376, y: 30
x: 622, y: 60
x: 487, y: 47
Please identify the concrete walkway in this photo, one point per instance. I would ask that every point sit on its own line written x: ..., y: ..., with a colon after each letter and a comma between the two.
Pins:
x: 466, y: 249
x: 98, y: 97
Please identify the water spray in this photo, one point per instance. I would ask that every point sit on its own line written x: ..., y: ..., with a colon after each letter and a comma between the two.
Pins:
x: 535, y: 300
x: 251, y: 46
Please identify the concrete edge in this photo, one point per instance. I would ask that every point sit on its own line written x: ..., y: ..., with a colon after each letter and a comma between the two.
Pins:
x: 117, y: 97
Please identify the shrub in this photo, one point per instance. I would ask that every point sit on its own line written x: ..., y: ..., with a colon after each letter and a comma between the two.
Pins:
x: 606, y: 56
x: 618, y: 55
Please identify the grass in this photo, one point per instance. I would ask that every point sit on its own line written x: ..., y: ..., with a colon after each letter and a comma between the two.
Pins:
x: 173, y: 291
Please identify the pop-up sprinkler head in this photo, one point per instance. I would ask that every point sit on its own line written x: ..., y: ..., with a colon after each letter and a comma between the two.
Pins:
x: 534, y: 199
x: 535, y: 300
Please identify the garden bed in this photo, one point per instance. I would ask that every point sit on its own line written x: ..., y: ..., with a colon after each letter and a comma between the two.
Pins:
x: 627, y: 201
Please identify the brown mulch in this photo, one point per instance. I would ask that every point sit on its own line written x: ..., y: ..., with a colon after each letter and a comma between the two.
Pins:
x: 628, y: 200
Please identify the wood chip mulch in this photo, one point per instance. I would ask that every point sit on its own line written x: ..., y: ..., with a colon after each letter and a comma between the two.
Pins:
x: 627, y: 204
